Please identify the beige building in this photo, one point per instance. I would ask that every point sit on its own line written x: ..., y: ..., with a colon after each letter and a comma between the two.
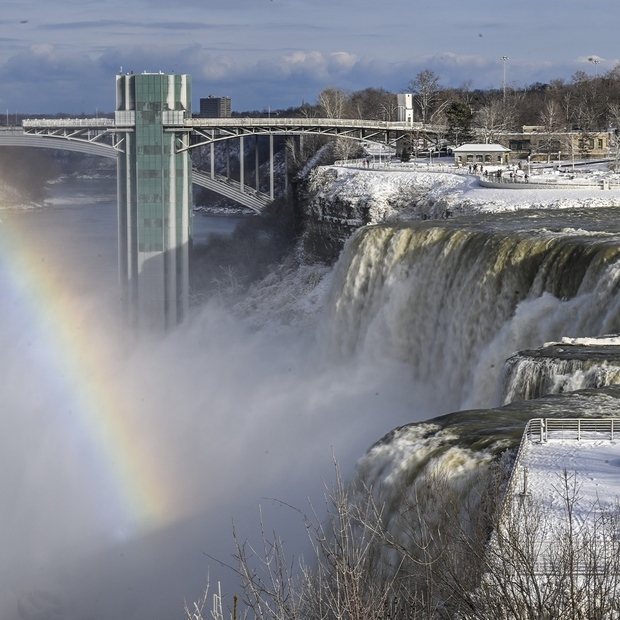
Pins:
x: 489, y: 154
x: 539, y: 145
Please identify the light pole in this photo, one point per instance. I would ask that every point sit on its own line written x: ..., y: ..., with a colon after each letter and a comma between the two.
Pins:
x: 504, y: 59
x: 596, y: 62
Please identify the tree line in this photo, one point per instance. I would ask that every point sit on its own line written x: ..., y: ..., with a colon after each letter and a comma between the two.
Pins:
x: 584, y: 103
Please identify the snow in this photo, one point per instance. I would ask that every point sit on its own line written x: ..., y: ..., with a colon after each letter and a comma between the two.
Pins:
x: 595, y: 461
x: 399, y: 188
x: 590, y: 342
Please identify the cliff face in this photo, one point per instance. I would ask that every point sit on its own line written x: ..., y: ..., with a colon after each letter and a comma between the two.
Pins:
x: 334, y: 202
x: 329, y: 218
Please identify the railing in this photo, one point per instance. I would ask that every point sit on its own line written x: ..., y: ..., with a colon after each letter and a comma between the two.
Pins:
x: 417, y: 166
x: 579, y: 429
x: 541, y: 430
x: 307, y: 122
x: 538, y: 181
x: 67, y: 122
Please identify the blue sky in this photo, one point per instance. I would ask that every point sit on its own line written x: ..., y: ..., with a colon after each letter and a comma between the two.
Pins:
x: 63, y: 55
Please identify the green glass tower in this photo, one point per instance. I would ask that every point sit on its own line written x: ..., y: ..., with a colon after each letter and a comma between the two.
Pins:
x: 154, y: 196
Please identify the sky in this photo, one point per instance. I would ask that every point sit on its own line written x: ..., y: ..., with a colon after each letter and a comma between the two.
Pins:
x: 62, y: 56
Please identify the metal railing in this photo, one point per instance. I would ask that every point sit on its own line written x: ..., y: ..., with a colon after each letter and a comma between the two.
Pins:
x: 579, y: 429
x: 67, y: 122
x: 542, y: 430
x: 307, y: 122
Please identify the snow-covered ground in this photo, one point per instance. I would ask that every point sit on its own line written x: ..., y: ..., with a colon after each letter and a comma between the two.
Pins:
x: 396, y: 192
x: 591, y: 465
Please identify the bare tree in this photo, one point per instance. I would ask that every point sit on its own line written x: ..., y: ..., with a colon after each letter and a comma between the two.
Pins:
x: 426, y: 93
x: 373, y: 103
x: 332, y: 102
x: 551, y: 121
x: 542, y: 566
x: 614, y: 123
x: 493, y: 119
x: 432, y: 556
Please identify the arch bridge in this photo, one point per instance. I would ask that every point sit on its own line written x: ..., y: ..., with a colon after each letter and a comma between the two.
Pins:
x: 151, y: 137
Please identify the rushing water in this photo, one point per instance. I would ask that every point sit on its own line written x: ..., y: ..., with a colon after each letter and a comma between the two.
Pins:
x: 559, y: 368
x: 115, y: 521
x: 454, y: 300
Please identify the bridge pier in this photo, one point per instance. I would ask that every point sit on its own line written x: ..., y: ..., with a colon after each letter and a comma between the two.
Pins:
x: 154, y: 197
x: 242, y: 163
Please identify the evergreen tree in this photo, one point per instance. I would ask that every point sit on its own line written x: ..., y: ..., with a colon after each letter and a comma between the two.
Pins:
x: 459, y: 117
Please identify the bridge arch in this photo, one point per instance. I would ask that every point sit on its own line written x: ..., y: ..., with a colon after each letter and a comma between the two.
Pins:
x: 219, y: 184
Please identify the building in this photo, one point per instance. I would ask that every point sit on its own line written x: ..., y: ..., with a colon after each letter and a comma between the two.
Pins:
x: 215, y: 107
x: 489, y: 154
x: 539, y: 145
x: 404, y: 109
x: 154, y: 196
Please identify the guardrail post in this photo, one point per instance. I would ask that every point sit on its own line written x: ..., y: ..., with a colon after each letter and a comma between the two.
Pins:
x: 542, y: 430
x: 579, y: 429
x: 524, y: 491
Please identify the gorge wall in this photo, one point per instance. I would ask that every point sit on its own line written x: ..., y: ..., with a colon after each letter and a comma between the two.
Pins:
x: 336, y: 201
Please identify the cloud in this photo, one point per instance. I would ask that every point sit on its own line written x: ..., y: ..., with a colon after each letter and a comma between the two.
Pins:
x: 48, y: 77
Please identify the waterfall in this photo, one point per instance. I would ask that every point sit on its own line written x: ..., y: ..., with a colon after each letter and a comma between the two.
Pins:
x: 455, y: 299
x: 557, y: 369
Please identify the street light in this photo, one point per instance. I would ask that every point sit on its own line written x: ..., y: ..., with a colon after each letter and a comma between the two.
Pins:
x: 504, y: 58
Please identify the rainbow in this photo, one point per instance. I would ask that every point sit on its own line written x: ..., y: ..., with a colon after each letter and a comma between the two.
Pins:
x: 127, y: 480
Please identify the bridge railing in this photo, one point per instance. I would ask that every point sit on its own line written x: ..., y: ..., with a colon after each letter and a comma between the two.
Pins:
x: 304, y: 122
x: 67, y: 122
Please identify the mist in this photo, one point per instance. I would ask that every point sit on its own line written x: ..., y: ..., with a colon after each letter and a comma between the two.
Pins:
x: 125, y: 461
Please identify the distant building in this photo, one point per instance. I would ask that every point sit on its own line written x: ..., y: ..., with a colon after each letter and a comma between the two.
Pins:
x: 539, y: 145
x: 490, y: 154
x: 404, y: 103
x: 215, y: 107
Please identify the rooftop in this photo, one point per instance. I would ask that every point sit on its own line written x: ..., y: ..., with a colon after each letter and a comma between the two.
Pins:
x: 481, y: 148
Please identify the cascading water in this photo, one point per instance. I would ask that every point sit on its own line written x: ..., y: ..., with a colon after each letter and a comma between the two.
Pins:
x: 559, y: 368
x: 455, y: 299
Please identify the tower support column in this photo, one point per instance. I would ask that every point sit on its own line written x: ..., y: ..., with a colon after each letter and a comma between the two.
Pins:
x: 154, y: 197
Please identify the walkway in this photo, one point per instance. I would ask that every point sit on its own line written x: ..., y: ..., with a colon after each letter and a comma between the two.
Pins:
x: 566, y: 460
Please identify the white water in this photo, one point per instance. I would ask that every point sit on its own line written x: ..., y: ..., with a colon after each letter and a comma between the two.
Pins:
x: 455, y: 303
x: 531, y: 374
